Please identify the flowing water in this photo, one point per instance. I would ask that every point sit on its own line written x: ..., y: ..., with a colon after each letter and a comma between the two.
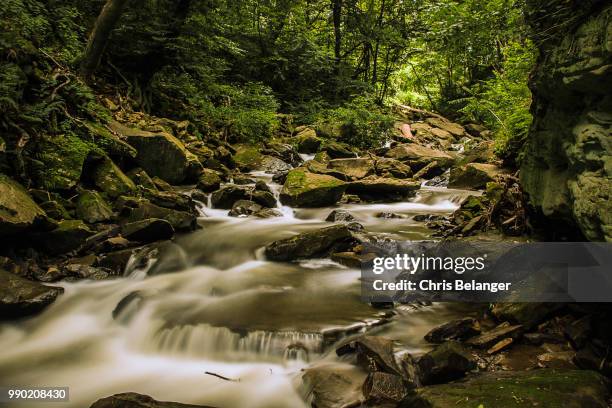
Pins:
x: 210, y: 302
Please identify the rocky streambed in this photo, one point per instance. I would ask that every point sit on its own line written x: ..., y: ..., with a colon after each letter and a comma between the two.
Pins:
x: 242, y: 288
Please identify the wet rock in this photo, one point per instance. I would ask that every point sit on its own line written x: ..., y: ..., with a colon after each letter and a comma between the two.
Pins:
x: 208, y: 181
x: 417, y: 156
x: 390, y: 216
x: 311, y: 244
x: 474, y: 176
x: 337, y: 150
x: 332, y: 386
x: 79, y: 271
x: 383, y: 388
x: 92, y: 208
x: 149, y: 230
x: 526, y: 314
x: 141, y: 209
x: 340, y: 216
x: 18, y: 212
x: 160, y: 154
x: 162, y: 185
x: 353, y: 169
x: 261, y: 185
x: 308, y: 142
x: 352, y: 259
x: 376, y: 189
x: 116, y: 261
x: 200, y: 151
x: 500, y: 345
x: 446, y: 362
x: 280, y: 177
x: 491, y: 337
x: 430, y: 171
x: 385, y: 167
x: 68, y: 236
x: 133, y: 400
x: 459, y: 329
x: 454, y: 129
x: 170, y: 199
x: 127, y: 307
x: 141, y: 178
x: 55, y: 210
x: 268, y: 213
x: 228, y: 195
x: 249, y: 158
x: 244, y: 208
x: 242, y: 179
x: 20, y: 297
x: 108, y: 177
x: 535, y: 388
x: 305, y: 189
x: 373, y: 353
x: 285, y: 152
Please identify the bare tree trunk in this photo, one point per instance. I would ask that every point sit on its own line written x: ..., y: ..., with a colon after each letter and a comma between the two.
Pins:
x: 99, y: 36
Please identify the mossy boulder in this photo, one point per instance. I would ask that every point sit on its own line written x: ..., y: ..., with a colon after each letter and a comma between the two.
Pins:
x: 108, y: 177
x: 92, y: 208
x: 20, y: 297
x: 548, y: 388
x: 141, y: 178
x: 110, y: 142
x: 55, y: 210
x: 249, y: 158
x: 160, y: 154
x: 380, y: 188
x: 68, y: 236
x: 141, y: 209
x: 338, y: 150
x: 59, y: 160
x: 417, y: 156
x: 474, y: 176
x: 18, y: 212
x: 148, y: 230
x: 305, y: 189
x: 354, y: 168
x: 319, y: 243
x: 308, y: 142
x: 386, y: 167
x: 446, y: 362
x: 228, y: 195
x: 208, y: 181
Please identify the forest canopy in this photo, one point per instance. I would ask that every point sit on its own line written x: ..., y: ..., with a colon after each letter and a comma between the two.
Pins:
x: 232, y: 66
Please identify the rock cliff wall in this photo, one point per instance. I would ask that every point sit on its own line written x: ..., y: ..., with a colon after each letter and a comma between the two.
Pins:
x: 567, y: 168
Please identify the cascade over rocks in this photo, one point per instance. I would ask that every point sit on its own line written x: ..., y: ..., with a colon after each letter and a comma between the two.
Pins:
x: 229, y: 194
x: 566, y: 168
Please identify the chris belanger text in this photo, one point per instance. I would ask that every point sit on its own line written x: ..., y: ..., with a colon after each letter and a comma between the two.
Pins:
x: 430, y: 285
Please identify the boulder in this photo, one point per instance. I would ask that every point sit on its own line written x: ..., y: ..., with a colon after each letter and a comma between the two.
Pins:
x: 334, y: 386
x: 170, y: 199
x: 305, y: 189
x: 384, y: 388
x: 149, y: 230
x: 385, y: 167
x: 352, y: 259
x: 447, y: 362
x: 454, y: 129
x: 208, y: 181
x: 459, y: 329
x: 566, y: 170
x: 526, y: 314
x: 18, y: 212
x: 493, y: 336
x: 340, y: 216
x: 375, y: 188
x: 109, y: 178
x: 353, y: 169
x: 20, y: 297
x: 286, y: 152
x: 68, y: 236
x: 229, y: 194
x: 310, y: 244
x: 55, y: 210
x: 483, y: 152
x: 373, y: 353
x: 337, y: 150
x: 133, y: 400
x: 417, y: 156
x: 141, y: 178
x: 92, y: 208
x: 160, y: 154
x: 77, y: 271
x: 142, y: 209
x: 244, y: 208
x: 308, y: 142
x: 534, y: 388
x: 474, y: 176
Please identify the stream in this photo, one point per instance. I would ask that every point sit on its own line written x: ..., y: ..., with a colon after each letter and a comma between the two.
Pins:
x: 211, y: 303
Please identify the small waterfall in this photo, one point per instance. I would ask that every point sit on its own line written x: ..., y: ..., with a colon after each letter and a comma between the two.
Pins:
x: 205, y: 341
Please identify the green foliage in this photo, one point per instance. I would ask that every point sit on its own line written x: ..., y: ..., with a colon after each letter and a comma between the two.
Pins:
x: 360, y: 123
x: 503, y: 102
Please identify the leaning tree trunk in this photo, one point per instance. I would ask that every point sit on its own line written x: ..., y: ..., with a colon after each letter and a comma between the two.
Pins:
x: 99, y: 36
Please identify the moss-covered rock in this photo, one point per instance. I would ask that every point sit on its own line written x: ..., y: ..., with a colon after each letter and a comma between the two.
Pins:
x: 18, y: 212
x: 307, y: 141
x: 338, y: 150
x: 249, y: 158
x: 160, y: 154
x: 537, y: 388
x: 378, y: 188
x: 108, y: 177
x: 228, y: 195
x: 92, y: 208
x: 417, y: 156
x: 474, y: 176
x: 305, y: 189
x: 209, y: 181
x: 55, y: 210
x: 68, y: 236
x: 386, y: 167
x: 109, y: 142
x: 61, y: 159
x: 353, y: 168
x: 446, y: 362
x: 142, y: 209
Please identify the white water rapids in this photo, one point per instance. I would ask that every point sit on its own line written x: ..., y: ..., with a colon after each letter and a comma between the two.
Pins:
x: 211, y: 303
